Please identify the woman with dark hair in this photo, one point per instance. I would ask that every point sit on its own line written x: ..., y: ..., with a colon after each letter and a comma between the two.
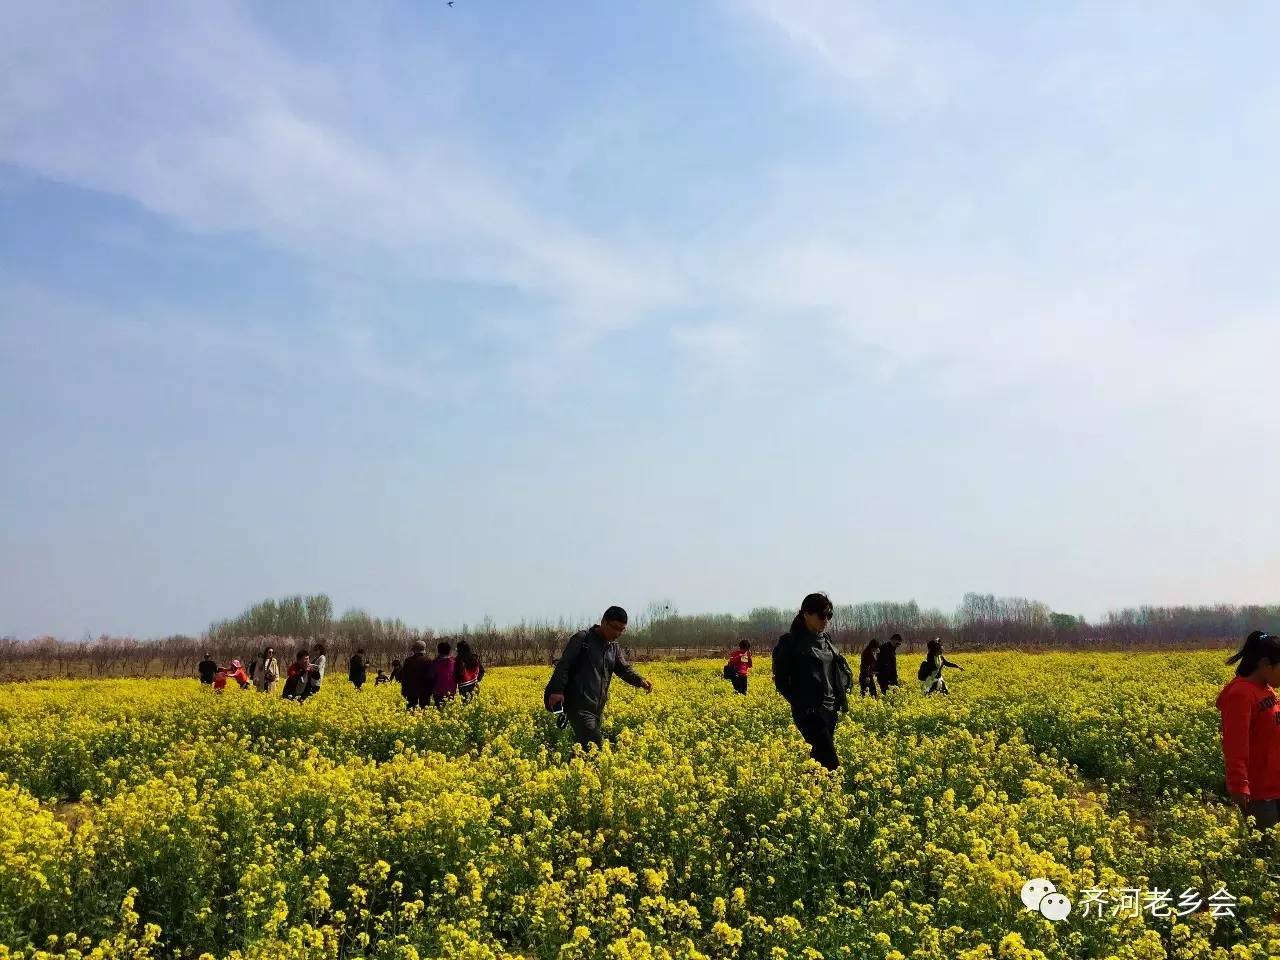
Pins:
x: 296, y: 679
x: 740, y: 666
x: 867, y: 668
x: 930, y: 673
x: 1250, y: 735
x: 310, y: 684
x: 357, y: 672
x: 887, y: 663
x: 266, y: 671
x: 813, y: 678
x: 468, y: 671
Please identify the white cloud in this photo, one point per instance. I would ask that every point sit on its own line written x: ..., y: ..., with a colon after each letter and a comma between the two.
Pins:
x: 198, y: 116
x: 54, y: 329
x: 888, y: 66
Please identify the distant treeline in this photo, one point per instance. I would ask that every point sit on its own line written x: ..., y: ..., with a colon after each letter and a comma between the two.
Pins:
x: 981, y: 622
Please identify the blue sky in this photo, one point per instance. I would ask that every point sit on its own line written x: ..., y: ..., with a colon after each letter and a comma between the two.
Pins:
x: 519, y: 309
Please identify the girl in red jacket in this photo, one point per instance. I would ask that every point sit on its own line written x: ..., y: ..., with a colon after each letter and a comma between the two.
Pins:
x: 1251, y: 729
x: 232, y: 671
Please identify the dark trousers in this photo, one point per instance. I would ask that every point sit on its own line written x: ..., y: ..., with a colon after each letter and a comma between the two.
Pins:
x: 415, y: 700
x: 1266, y: 812
x: 868, y: 686
x: 739, y: 683
x: 586, y: 727
x: 818, y: 727
x: 886, y: 681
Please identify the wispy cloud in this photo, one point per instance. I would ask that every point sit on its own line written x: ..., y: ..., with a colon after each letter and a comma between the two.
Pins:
x: 889, y: 66
x: 201, y: 118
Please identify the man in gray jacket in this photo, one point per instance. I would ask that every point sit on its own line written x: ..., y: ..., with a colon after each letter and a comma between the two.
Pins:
x: 580, y: 681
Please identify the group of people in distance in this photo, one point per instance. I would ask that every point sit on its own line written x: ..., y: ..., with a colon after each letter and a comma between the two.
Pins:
x: 302, y: 678
x: 808, y: 671
x: 437, y: 680
x: 421, y: 680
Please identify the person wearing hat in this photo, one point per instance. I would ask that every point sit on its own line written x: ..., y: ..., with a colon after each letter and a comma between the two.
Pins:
x: 232, y: 671
x: 1250, y: 731
x: 579, y: 683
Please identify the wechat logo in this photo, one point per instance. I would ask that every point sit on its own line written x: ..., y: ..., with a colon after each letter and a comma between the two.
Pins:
x: 1040, y: 894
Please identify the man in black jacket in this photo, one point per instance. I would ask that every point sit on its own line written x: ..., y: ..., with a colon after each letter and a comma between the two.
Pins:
x: 208, y: 667
x: 580, y: 681
x: 887, y: 663
x: 415, y: 677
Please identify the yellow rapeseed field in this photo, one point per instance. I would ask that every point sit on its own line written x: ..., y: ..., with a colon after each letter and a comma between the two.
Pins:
x: 149, y: 818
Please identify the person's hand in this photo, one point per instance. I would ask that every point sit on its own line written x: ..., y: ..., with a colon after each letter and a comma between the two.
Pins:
x: 555, y: 700
x: 648, y: 686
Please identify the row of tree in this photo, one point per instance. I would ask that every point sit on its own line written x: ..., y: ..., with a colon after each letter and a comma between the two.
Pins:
x: 982, y: 621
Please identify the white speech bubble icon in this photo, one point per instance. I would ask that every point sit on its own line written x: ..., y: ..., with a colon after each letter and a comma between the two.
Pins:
x: 1055, y: 906
x: 1033, y: 891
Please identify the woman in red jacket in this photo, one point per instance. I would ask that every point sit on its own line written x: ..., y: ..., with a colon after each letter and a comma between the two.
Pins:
x: 1251, y: 729
x: 740, y: 666
x: 468, y: 671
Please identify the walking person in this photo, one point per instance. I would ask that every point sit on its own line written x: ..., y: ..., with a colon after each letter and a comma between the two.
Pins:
x: 356, y: 671
x: 415, y: 676
x: 266, y: 671
x: 867, y: 669
x: 930, y: 673
x: 468, y: 671
x: 813, y: 677
x: 396, y: 666
x: 207, y: 668
x: 1251, y: 729
x: 740, y: 666
x: 580, y: 681
x: 887, y: 663
x: 443, y: 682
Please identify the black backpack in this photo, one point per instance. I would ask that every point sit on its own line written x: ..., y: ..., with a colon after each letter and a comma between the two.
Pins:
x: 728, y: 671
x: 923, y: 673
x: 844, y: 678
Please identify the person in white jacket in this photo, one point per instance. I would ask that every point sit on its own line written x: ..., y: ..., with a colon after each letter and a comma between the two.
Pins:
x: 266, y: 671
x: 315, y: 675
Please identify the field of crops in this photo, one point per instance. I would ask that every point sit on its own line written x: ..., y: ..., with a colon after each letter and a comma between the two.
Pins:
x: 153, y: 819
